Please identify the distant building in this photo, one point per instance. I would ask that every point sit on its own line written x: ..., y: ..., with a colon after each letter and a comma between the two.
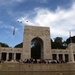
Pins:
x: 41, y: 34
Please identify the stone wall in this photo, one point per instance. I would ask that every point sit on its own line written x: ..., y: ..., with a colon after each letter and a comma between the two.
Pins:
x: 38, y: 69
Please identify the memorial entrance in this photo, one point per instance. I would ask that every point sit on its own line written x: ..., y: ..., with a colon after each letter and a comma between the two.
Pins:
x: 36, y: 48
x: 41, y: 35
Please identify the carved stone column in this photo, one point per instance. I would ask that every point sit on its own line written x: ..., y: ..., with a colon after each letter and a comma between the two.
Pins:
x: 57, y: 56
x: 64, y: 57
x: 7, y: 57
x: 14, y: 56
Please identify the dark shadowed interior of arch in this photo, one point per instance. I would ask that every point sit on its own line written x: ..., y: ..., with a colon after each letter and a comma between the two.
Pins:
x: 36, y: 48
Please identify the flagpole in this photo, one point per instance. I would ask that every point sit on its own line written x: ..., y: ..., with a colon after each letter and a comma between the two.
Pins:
x: 13, y: 47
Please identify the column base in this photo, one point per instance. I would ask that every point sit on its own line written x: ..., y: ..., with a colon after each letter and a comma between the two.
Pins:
x: 12, y: 61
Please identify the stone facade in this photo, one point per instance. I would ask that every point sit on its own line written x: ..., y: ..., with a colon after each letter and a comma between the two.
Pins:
x: 42, y: 34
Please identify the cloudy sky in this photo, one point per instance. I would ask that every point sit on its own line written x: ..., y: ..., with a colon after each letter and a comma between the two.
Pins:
x: 59, y: 15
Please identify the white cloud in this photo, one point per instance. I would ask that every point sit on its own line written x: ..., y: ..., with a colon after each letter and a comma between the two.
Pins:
x: 60, y: 22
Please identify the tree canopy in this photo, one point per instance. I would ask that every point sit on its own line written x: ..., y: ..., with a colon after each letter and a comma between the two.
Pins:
x: 3, y: 44
x: 57, y: 43
x: 70, y: 40
x: 19, y: 45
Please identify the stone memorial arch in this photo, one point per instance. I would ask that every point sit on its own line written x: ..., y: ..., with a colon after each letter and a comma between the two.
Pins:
x: 42, y: 35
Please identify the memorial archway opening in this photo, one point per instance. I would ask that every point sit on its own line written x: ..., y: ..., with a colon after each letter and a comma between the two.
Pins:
x: 37, y: 48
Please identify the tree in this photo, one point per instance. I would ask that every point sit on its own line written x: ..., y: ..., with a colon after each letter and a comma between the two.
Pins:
x: 58, y: 40
x: 70, y: 40
x: 3, y: 44
x: 65, y: 45
x: 19, y: 45
x: 58, y: 44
